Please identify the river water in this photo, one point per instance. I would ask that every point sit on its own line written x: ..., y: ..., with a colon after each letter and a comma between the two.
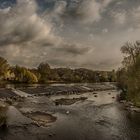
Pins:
x: 99, y: 117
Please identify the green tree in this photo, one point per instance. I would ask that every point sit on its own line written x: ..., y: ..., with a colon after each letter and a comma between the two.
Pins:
x: 45, y: 71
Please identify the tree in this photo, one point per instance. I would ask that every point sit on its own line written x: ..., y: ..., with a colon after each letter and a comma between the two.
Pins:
x: 4, y: 67
x: 23, y: 75
x: 44, y: 68
x: 112, y: 76
x: 131, y: 51
x: 54, y: 75
x: 30, y: 77
x: 36, y: 73
x: 45, y: 71
x: 133, y: 82
x: 128, y: 77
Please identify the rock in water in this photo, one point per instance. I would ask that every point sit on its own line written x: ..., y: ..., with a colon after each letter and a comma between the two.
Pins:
x: 67, y: 112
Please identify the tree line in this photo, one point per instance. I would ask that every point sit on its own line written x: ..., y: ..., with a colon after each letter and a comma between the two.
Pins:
x: 128, y: 76
x: 44, y: 74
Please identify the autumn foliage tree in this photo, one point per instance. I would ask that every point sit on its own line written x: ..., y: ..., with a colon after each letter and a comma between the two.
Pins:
x: 4, y: 67
x: 24, y: 75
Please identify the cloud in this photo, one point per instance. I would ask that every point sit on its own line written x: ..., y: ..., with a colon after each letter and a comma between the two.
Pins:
x: 91, y: 10
x: 119, y: 17
x: 135, y: 14
x: 56, y: 13
x: 26, y: 36
x: 76, y: 33
x: 5, y: 10
x: 73, y: 49
x: 105, y: 30
x: 24, y: 32
x: 60, y: 7
x: 82, y: 11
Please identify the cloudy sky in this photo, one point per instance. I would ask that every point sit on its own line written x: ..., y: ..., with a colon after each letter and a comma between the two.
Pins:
x: 67, y: 33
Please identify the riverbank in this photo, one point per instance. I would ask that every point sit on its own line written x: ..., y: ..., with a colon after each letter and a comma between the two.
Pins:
x: 130, y: 106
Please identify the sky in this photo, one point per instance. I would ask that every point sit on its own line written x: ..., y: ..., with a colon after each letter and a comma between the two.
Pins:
x: 68, y: 33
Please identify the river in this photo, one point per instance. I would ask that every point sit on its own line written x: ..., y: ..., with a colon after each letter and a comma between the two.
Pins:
x: 93, y: 116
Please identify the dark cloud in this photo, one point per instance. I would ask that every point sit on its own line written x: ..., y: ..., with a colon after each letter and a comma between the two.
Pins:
x: 7, y: 3
x: 73, y: 49
x: 74, y: 33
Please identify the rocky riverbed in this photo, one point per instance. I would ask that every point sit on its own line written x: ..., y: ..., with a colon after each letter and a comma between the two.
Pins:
x: 67, y: 112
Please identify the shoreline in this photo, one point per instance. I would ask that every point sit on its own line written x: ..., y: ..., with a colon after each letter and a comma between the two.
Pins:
x: 130, y: 106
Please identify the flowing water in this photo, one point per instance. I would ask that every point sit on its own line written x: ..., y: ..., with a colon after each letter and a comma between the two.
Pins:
x: 99, y: 117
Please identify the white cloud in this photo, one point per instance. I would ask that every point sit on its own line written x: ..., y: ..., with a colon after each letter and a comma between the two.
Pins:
x: 119, y: 17
x: 92, y: 10
x: 5, y: 11
x: 105, y: 30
